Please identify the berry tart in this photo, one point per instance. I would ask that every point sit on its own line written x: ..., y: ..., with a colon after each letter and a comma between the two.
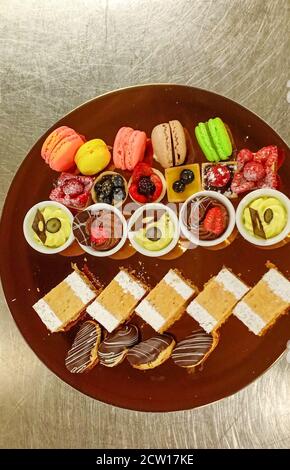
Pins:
x: 111, y: 188
x: 146, y: 184
x: 218, y: 177
x: 73, y: 191
x: 257, y: 170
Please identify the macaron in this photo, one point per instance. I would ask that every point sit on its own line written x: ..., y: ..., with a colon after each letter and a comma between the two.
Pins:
x: 169, y: 143
x: 60, y: 147
x: 92, y: 157
x: 129, y: 148
x: 214, y: 139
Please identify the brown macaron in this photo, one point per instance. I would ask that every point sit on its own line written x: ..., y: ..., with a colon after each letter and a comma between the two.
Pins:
x: 169, y: 144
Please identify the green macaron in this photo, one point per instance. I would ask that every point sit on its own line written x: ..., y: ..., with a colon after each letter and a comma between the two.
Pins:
x: 214, y: 140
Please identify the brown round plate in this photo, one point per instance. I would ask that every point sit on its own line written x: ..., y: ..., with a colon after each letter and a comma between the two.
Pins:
x: 27, y: 275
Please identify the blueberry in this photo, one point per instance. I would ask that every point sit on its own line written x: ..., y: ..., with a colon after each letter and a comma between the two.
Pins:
x: 98, y: 187
x: 178, y: 186
x: 117, y: 181
x: 187, y: 176
x: 119, y: 194
x: 107, y: 188
x: 103, y: 198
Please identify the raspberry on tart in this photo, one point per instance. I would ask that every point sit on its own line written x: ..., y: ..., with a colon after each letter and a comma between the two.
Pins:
x: 73, y: 191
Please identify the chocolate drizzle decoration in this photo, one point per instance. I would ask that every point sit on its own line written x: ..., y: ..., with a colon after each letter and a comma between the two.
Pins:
x: 80, y: 357
x: 38, y: 226
x: 256, y: 223
x: 114, y: 347
x: 190, y: 351
x: 149, y: 350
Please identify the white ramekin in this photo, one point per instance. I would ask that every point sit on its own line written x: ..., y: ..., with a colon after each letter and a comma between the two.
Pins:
x: 138, y: 214
x: 101, y: 254
x: 29, y: 233
x: 246, y: 201
x: 231, y: 212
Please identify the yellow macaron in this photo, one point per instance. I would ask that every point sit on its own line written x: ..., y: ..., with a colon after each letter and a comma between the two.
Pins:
x: 92, y: 157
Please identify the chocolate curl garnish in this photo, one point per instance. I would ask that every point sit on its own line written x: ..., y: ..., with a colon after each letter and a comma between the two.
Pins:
x: 38, y: 226
x: 256, y: 223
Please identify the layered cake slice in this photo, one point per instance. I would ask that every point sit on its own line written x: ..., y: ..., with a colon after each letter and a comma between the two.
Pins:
x: 118, y: 300
x: 62, y: 307
x: 167, y: 301
x: 215, y: 303
x: 265, y: 302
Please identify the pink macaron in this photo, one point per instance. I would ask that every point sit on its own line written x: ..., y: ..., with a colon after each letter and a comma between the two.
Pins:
x: 129, y: 148
x: 60, y: 147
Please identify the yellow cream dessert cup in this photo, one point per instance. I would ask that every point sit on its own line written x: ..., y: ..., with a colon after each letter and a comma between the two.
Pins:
x: 263, y: 217
x: 47, y: 227
x: 150, y: 237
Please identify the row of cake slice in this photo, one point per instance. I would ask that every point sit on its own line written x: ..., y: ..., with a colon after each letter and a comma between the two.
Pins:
x: 257, y: 307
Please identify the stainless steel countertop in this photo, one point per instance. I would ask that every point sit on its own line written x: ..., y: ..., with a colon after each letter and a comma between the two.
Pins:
x: 56, y: 54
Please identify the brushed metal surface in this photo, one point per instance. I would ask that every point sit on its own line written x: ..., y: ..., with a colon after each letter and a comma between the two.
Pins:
x: 55, y: 55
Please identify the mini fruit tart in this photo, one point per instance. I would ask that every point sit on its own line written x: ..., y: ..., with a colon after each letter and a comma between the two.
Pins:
x: 218, y: 177
x: 72, y: 191
x: 182, y: 182
x: 257, y: 170
x: 110, y: 188
x: 147, y: 184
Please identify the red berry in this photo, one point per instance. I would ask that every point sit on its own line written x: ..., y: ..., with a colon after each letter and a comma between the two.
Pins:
x: 142, y: 169
x: 158, y: 186
x: 253, y: 171
x: 133, y: 190
x: 244, y: 156
x: 72, y: 187
x: 240, y: 184
x: 218, y: 176
x: 98, y: 235
x: 214, y: 221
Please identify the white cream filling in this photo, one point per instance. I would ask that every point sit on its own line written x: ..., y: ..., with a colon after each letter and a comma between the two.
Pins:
x: 129, y: 285
x: 202, y: 316
x: 149, y: 314
x: 278, y: 284
x: 231, y: 283
x: 174, y: 281
x: 97, y: 311
x: 250, y: 318
x: 80, y: 288
x: 47, y: 315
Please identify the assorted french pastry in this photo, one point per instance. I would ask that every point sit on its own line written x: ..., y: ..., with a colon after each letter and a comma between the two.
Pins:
x: 93, y: 177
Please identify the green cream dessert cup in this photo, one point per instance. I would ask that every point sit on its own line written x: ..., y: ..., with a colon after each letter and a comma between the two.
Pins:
x: 60, y: 219
x: 272, y: 208
x: 151, y: 237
